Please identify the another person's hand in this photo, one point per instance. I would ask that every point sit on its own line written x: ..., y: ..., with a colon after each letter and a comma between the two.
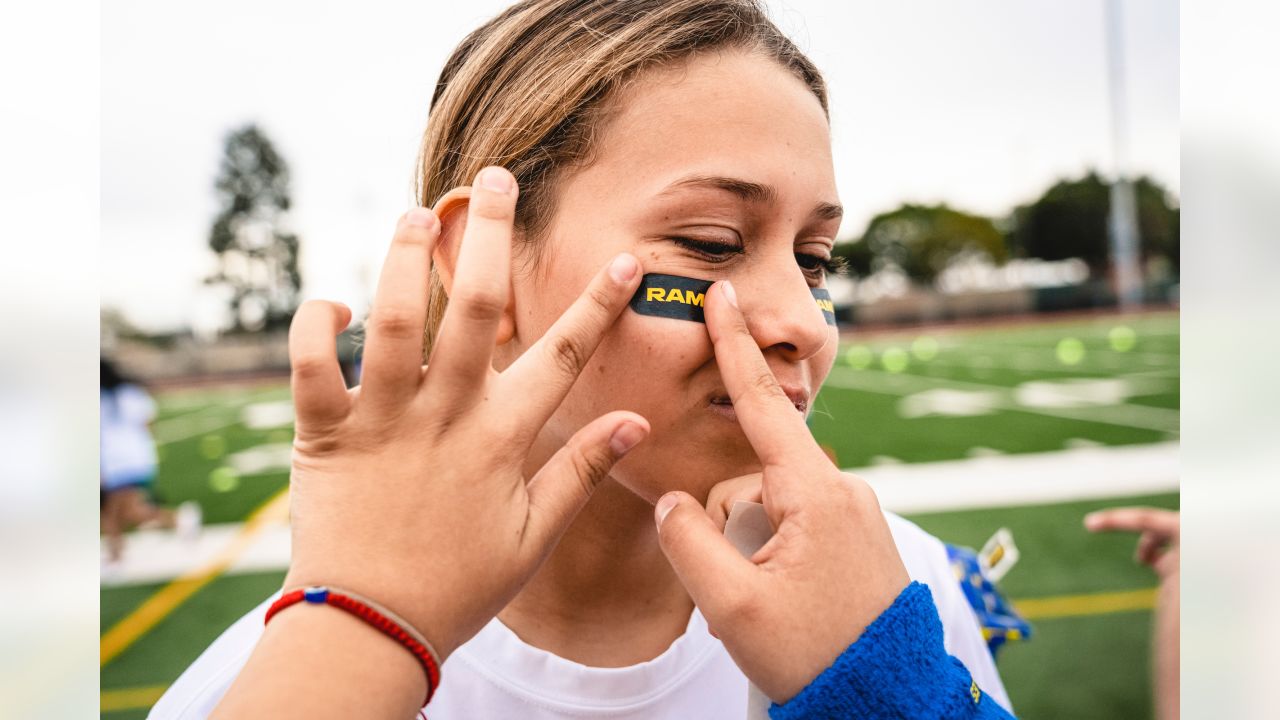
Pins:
x: 408, y: 489
x: 1158, y: 539
x: 744, y: 488
x: 831, y: 568
x: 1158, y: 547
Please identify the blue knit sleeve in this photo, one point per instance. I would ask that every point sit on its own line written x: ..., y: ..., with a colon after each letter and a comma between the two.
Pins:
x: 898, y: 668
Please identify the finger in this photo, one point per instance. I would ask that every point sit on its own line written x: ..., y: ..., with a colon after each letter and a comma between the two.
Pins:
x: 716, y: 576
x: 773, y: 425
x: 393, y: 342
x: 1133, y: 519
x: 1167, y: 564
x: 1149, y: 547
x: 722, y: 497
x: 566, y: 482
x: 463, y: 354
x: 319, y: 392
x: 547, y: 370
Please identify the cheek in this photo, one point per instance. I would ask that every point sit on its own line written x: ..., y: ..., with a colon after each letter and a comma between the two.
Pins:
x: 644, y: 365
x: 662, y: 369
x: 825, y: 359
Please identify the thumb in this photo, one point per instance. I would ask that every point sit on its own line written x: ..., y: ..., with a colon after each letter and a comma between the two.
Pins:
x: 717, y: 577
x: 566, y: 482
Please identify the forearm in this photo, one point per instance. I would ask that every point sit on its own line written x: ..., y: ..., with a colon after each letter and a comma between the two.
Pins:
x: 316, y: 661
x: 1166, y: 651
x: 897, y: 668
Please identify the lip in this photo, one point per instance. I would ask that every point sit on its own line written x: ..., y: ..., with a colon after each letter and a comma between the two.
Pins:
x: 719, y: 403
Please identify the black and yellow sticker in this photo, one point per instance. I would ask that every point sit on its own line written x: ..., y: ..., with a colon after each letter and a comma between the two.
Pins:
x: 823, y: 298
x: 682, y: 298
x: 671, y: 296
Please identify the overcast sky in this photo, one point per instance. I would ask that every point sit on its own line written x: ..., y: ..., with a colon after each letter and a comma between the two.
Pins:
x: 978, y: 104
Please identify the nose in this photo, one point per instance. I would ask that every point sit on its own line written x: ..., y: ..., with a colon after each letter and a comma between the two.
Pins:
x: 781, y: 312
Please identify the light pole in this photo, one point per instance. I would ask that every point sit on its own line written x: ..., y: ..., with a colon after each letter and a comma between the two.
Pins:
x: 1123, y: 220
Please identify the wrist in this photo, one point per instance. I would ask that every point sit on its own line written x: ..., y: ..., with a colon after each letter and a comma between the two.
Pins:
x: 316, y: 653
x: 898, y: 667
x: 411, y: 604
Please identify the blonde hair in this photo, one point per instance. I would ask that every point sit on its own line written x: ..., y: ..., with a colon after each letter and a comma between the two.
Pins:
x: 528, y: 89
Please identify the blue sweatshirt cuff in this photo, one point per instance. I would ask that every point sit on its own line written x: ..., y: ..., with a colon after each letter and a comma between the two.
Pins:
x: 898, y: 668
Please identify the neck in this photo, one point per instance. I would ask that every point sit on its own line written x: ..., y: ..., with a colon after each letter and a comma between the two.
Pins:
x: 606, y: 597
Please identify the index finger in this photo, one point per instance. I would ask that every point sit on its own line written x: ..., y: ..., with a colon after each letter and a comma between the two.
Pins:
x: 546, y: 372
x: 1134, y: 519
x: 773, y: 426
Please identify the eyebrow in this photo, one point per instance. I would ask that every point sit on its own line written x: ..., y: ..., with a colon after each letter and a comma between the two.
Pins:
x: 749, y: 192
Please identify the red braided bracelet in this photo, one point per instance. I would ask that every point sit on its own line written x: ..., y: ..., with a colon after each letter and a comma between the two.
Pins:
x: 381, y: 618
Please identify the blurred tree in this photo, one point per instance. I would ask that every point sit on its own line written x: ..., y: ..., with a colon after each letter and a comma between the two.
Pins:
x: 922, y: 240
x: 1070, y: 221
x: 257, y: 256
x: 857, y: 257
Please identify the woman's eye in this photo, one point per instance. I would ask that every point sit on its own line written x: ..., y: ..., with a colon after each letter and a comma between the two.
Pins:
x: 711, y: 250
x: 817, y: 267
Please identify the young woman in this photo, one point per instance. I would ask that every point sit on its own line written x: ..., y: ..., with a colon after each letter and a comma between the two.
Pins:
x: 691, y: 136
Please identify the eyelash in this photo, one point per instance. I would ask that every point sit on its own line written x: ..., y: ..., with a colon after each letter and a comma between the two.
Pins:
x: 814, y: 266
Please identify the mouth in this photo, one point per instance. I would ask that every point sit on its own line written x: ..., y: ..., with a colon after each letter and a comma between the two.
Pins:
x: 723, y: 406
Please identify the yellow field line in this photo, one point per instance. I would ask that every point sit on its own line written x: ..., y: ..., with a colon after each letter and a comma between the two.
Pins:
x: 1063, y: 606
x: 168, y: 598
x: 1048, y: 608
x: 130, y: 698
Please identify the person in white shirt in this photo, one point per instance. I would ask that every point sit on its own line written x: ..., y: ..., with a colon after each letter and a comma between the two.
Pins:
x: 128, y: 462
x: 498, y: 675
x: 689, y: 136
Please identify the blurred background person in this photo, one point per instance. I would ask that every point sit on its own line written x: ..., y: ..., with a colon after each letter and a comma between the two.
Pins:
x: 127, y: 466
x: 1157, y: 548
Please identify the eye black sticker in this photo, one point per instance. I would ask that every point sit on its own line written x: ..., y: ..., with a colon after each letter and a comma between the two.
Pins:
x: 682, y: 298
x: 671, y: 296
x: 823, y: 298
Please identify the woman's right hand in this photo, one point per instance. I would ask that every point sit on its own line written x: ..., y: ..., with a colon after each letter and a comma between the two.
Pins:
x: 409, y: 489
x: 832, y: 566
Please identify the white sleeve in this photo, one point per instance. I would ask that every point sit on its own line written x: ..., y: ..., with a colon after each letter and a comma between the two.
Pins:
x: 138, y: 405
x: 195, y: 694
x: 926, y: 560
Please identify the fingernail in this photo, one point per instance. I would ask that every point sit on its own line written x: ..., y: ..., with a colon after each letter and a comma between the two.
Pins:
x: 627, y: 436
x: 665, y: 503
x: 495, y: 179
x: 730, y: 294
x: 421, y: 217
x: 623, y: 268
x: 1091, y: 521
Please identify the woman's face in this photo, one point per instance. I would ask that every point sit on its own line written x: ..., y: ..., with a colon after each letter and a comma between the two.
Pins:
x: 718, y: 169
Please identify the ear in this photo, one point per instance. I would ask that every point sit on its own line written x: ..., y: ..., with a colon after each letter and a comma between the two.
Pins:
x: 452, y: 211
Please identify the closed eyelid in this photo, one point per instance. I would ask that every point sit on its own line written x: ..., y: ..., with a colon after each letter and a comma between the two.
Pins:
x: 710, y: 247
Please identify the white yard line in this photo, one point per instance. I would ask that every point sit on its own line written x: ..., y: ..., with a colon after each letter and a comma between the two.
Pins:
x: 184, y: 425
x: 159, y: 555
x: 1123, y: 415
x: 1083, y: 473
x: 1032, y: 479
x: 191, y: 428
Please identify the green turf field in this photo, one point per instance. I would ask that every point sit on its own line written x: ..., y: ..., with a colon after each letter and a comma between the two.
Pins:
x: 902, y: 397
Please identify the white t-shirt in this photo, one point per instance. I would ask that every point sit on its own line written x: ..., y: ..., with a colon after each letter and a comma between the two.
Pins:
x: 496, y: 675
x: 128, y: 450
